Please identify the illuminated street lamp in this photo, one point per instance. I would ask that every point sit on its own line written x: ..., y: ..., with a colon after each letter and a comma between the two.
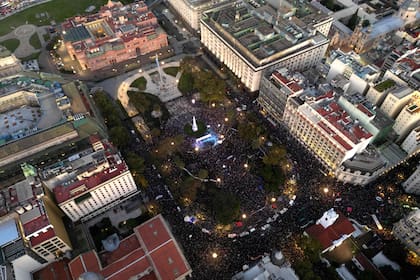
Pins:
x: 246, y: 165
x: 196, y: 149
x: 326, y: 190
x: 172, y: 143
x: 218, y: 180
x: 193, y: 101
x: 214, y: 255
x: 244, y: 216
x: 213, y: 105
x: 226, y: 119
x: 273, y: 199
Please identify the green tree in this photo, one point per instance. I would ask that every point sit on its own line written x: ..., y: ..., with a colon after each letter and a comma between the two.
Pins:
x: 225, y: 207
x: 273, y: 177
x: 365, y: 23
x: 189, y: 188
x: 276, y: 154
x: 203, y: 174
x: 311, y: 247
x: 119, y: 136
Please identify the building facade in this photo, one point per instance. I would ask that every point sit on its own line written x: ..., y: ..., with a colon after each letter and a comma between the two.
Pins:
x: 396, y: 99
x: 407, y: 231
x: 412, y: 184
x: 113, y: 35
x: 192, y: 10
x: 275, y: 89
x: 411, y: 143
x: 251, y: 40
x: 408, y: 118
x: 321, y: 124
x: 90, y: 182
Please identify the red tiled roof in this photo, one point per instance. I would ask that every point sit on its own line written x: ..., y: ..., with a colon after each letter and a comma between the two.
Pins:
x: 336, y: 137
x: 364, y: 110
x: 36, y: 224
x: 294, y: 87
x: 164, y: 261
x: 168, y: 262
x: 326, y: 236
x: 42, y: 237
x: 63, y: 193
x: 55, y: 270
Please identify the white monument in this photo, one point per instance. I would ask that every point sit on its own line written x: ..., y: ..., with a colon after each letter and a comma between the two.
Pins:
x: 194, y: 125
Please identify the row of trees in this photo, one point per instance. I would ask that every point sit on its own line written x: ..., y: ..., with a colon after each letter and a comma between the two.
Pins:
x: 120, y: 137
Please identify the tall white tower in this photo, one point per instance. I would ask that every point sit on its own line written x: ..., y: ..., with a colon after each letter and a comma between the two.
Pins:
x: 194, y: 125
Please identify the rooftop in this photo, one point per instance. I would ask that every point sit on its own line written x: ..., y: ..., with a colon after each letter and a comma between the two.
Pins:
x: 110, y: 28
x: 327, y: 236
x: 148, y: 254
x: 291, y: 82
x: 260, y: 35
x: 355, y: 63
x: 333, y: 119
x: 9, y: 231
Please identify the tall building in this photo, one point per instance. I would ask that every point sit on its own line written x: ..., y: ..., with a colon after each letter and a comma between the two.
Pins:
x: 396, y: 99
x: 44, y: 229
x: 412, y: 184
x: 115, y: 34
x: 407, y: 67
x: 31, y: 226
x: 317, y: 120
x: 275, y: 89
x: 150, y: 253
x: 351, y: 67
x: 409, y: 117
x: 250, y: 40
x: 90, y: 182
x: 192, y: 10
x: 407, y: 230
x: 411, y: 143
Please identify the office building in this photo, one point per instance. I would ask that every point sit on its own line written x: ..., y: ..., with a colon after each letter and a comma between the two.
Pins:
x: 396, y: 99
x: 354, y: 72
x: 113, y: 35
x: 191, y: 10
x: 409, y: 117
x: 412, y: 184
x: 276, y: 88
x: 250, y: 40
x: 407, y: 231
x: 151, y: 252
x: 320, y: 123
x: 91, y: 181
x: 361, y: 169
x: 411, y: 143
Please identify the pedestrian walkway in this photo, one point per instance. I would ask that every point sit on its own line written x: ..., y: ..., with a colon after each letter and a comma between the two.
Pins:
x: 24, y: 33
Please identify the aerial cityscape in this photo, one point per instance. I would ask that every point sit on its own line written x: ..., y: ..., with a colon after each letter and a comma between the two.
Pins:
x: 199, y: 139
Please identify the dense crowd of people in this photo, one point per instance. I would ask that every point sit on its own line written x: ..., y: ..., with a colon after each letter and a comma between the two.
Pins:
x: 216, y: 256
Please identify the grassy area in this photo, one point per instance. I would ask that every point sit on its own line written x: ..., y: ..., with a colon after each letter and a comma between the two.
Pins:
x: 385, y: 85
x: 186, y: 82
x: 140, y: 83
x: 11, y: 44
x: 146, y: 103
x: 171, y: 71
x: 46, y: 36
x: 55, y: 11
x: 34, y: 41
x: 30, y: 57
